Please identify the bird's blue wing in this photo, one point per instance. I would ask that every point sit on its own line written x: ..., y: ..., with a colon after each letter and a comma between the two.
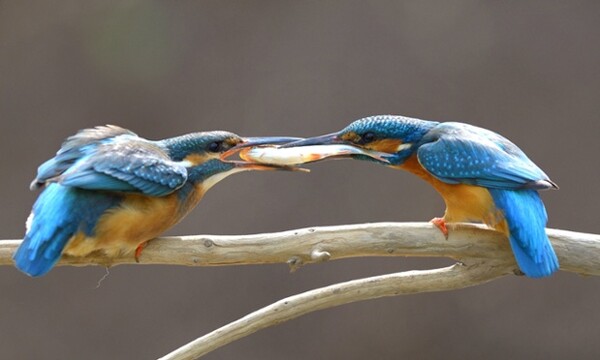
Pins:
x: 73, y: 149
x: 460, y: 153
x: 126, y: 165
x: 112, y: 159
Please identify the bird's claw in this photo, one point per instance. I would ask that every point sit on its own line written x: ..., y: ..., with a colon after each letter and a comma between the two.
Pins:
x: 440, y: 223
x: 138, y: 251
x: 518, y: 272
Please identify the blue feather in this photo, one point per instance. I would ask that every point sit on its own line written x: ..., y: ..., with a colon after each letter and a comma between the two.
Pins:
x: 114, y: 159
x: 92, y: 181
x: 458, y: 153
x: 58, y: 214
x: 526, y: 217
x: 75, y: 147
x: 126, y: 165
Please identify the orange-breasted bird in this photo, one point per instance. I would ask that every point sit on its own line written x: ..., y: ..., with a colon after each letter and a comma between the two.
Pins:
x: 482, y: 177
x: 109, y: 190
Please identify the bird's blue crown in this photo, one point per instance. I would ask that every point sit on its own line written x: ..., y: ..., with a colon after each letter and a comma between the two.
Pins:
x: 195, y: 143
x: 407, y: 129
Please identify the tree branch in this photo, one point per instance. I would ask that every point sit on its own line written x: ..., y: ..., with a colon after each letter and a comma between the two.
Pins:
x: 577, y: 252
x: 483, y: 255
x: 409, y: 282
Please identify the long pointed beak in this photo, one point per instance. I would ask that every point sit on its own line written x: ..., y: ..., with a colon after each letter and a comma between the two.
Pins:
x: 267, y: 140
x: 328, y: 139
x: 329, y: 146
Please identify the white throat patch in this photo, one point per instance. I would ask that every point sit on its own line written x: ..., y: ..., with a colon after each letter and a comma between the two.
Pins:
x: 211, y: 181
x: 403, y: 147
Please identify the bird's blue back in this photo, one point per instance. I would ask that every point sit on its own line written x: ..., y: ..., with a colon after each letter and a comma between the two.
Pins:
x: 461, y: 153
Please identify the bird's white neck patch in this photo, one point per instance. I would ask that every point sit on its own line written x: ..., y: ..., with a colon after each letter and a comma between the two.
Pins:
x: 185, y: 163
x: 403, y: 146
x: 211, y: 181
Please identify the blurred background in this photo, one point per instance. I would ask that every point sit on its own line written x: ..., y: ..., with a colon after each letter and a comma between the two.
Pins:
x: 528, y: 70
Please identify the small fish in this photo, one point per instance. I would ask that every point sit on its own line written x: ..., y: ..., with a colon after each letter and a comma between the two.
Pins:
x: 274, y: 155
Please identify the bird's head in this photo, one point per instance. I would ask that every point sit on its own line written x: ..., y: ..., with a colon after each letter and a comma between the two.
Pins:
x: 207, y: 155
x: 385, y: 139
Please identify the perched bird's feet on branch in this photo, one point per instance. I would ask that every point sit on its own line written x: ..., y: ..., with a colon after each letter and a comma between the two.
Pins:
x: 139, y: 249
x: 518, y: 272
x: 440, y: 223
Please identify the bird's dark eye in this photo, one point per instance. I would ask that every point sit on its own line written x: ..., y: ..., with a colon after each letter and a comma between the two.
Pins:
x: 368, y: 137
x: 215, y: 146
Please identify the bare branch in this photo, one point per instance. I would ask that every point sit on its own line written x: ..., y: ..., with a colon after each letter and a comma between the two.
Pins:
x: 577, y: 252
x: 409, y: 282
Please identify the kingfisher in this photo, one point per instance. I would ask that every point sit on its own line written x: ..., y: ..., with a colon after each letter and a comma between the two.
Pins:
x: 109, y: 190
x: 482, y: 177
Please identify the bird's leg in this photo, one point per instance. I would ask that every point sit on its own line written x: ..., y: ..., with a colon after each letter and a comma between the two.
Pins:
x: 138, y: 251
x: 518, y: 272
x: 441, y: 224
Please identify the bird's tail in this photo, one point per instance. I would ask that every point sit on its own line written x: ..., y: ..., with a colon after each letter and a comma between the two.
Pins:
x: 36, y: 256
x: 50, y: 227
x: 526, y: 217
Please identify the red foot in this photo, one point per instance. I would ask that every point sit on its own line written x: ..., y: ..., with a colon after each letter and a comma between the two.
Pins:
x: 138, y: 251
x: 441, y: 224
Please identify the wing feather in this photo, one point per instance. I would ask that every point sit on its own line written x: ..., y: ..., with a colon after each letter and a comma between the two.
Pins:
x: 113, y: 159
x: 460, y: 153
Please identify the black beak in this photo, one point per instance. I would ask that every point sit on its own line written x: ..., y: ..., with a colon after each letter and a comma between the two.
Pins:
x: 332, y: 146
x: 327, y: 139
x: 266, y: 140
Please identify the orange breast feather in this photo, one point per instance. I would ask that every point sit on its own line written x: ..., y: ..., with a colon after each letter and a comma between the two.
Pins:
x: 463, y: 202
x: 138, y: 219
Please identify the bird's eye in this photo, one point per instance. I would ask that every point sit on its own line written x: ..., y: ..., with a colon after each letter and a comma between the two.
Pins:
x: 368, y: 137
x: 215, y: 146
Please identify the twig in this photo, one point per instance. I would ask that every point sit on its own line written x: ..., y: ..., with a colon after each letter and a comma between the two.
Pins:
x: 409, y: 282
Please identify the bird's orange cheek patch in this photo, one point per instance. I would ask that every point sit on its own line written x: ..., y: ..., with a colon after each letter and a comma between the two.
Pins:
x: 389, y: 146
x: 196, y: 159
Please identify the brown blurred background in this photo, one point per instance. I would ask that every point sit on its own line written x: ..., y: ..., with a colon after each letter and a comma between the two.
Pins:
x: 528, y: 70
